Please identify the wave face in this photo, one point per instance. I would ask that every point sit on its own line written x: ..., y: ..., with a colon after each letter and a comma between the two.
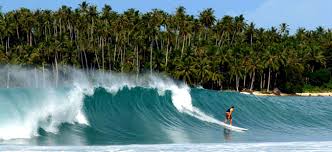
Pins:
x: 98, y: 108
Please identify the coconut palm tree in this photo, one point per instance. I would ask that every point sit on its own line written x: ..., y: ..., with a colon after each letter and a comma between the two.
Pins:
x: 200, y: 50
x: 207, y: 19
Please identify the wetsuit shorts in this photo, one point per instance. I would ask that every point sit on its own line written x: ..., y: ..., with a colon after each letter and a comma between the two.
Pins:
x: 227, y: 114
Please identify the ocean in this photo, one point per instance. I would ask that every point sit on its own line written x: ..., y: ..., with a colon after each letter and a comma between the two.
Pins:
x: 74, y: 110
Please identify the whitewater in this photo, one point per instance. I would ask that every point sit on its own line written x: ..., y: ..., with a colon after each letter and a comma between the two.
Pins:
x: 41, y: 108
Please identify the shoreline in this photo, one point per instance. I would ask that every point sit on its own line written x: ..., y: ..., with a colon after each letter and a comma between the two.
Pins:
x: 263, y: 93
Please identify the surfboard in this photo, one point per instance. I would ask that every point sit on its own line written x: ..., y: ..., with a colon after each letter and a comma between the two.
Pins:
x: 231, y: 127
x: 202, y: 116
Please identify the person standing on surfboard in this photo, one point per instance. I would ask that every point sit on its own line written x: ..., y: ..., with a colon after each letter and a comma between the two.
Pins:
x: 229, y: 115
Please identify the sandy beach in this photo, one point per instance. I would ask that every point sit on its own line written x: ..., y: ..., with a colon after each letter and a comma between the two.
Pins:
x: 260, y: 93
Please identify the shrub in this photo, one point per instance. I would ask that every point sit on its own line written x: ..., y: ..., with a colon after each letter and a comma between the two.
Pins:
x: 319, y: 77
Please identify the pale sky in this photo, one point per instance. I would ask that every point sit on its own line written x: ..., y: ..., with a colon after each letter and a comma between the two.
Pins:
x: 264, y: 13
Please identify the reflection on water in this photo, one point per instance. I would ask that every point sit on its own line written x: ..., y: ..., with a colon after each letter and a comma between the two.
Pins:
x: 227, y: 134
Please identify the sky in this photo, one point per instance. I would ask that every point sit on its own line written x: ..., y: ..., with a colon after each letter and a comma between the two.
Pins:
x: 264, y: 13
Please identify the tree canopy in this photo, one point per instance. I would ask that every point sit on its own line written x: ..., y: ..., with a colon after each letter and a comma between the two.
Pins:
x: 216, y: 53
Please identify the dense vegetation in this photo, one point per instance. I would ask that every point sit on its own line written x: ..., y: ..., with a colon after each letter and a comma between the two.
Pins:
x: 225, y: 53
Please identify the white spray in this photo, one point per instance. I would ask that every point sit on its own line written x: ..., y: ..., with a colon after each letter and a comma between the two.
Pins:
x: 55, y: 108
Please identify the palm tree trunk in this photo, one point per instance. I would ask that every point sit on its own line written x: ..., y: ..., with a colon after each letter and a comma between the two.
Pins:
x: 244, y: 81
x: 103, y: 52
x: 60, y: 27
x: 176, y: 40
x: 17, y: 33
x: 114, y: 53
x: 86, y: 60
x: 92, y: 22
x: 109, y: 54
x: 268, y: 81
x: 237, y: 82
x: 137, y: 62
x: 7, y: 46
x: 71, y: 33
x: 156, y: 41
x: 122, y: 57
x: 233, y: 37
x: 263, y: 80
x: 252, y: 81
x: 116, y: 41
x: 189, y: 41
x: 81, y: 57
x: 183, y: 46
x: 151, y: 45
x: 261, y: 84
x: 56, y: 71
x: 30, y: 38
x: 251, y: 40
x: 97, y: 59
x: 166, y: 55
x: 275, y: 80
x: 43, y: 76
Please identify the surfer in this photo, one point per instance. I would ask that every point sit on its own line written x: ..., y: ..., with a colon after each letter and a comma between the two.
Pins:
x: 229, y: 115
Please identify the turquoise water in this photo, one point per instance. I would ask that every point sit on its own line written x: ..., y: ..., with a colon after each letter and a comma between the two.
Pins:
x: 142, y: 116
x: 152, y: 112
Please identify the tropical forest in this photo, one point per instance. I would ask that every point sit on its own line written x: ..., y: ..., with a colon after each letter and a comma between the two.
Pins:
x: 227, y: 53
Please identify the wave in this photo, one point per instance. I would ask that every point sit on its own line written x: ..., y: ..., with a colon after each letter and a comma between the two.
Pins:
x: 33, y: 102
x: 111, y: 108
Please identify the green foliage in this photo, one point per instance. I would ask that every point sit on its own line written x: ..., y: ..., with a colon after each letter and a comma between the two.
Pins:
x: 289, y: 87
x: 328, y: 85
x: 318, y: 89
x: 312, y: 89
x: 319, y: 77
x: 207, y: 51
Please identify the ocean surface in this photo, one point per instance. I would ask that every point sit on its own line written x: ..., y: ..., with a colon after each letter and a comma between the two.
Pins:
x: 72, y: 110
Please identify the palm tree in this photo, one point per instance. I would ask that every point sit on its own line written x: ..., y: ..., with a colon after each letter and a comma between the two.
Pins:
x: 185, y: 70
x: 207, y: 19
x: 7, y: 27
x: 284, y: 30
x: 227, y: 27
x: 179, y: 20
x: 199, y: 50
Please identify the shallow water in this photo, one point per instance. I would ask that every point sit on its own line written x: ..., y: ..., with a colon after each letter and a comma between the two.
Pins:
x: 236, y: 147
